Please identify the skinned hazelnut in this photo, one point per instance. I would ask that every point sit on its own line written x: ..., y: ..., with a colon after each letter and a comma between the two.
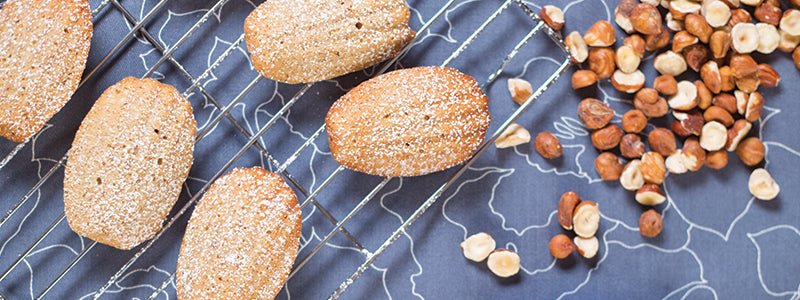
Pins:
x: 692, y: 154
x: 762, y: 185
x: 601, y: 61
x: 755, y: 106
x: 627, y: 59
x: 513, y: 135
x: 578, y: 49
x: 566, y: 208
x: 652, y: 167
x: 561, y: 246
x: 718, y: 114
x: 673, y: 24
x: 662, y: 140
x: 750, y: 151
x: 717, y: 159
x: 650, y: 223
x: 628, y: 83
x: 650, y: 194
x: 547, y: 145
x: 674, y: 163
x: 666, y: 84
x: 600, y: 34
x: 586, y: 219
x: 636, y: 42
x: 716, y: 13
x: 520, y: 89
x: 622, y: 15
x: 594, y: 114
x: 670, y: 63
x: 787, y: 42
x: 741, y: 101
x: 725, y: 101
x: 583, y: 78
x: 713, y: 136
x: 685, y: 98
x: 646, y: 19
x: 767, y: 76
x: 608, y: 166
x: 678, y: 9
x: 631, y: 146
x: 477, y: 247
x: 726, y: 77
x: 687, y: 123
x: 736, y: 133
x: 751, y: 2
x: 656, y: 41
x: 503, y: 263
x: 711, y: 78
x: 648, y: 101
x: 682, y: 39
x: 790, y: 21
x: 631, y: 178
x: 768, y: 38
x: 552, y: 16
x: 634, y: 121
x: 744, y: 38
x: 587, y: 247
x: 698, y: 26
x: 719, y: 43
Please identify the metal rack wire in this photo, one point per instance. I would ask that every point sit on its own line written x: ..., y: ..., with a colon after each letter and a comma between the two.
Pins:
x: 253, y: 139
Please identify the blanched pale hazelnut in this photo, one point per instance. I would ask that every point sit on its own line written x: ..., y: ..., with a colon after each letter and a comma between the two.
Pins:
x: 674, y: 163
x: 790, y: 22
x: 552, y: 16
x: 736, y: 133
x: 787, y: 42
x: 670, y: 63
x: 587, y: 247
x: 650, y: 223
x: 631, y: 178
x: 586, y: 219
x: 578, y: 49
x: 513, y: 135
x: 768, y: 38
x: 650, y: 194
x: 628, y: 83
x: 678, y: 9
x: 716, y: 13
x: 741, y: 101
x: 673, y: 24
x: 520, y: 89
x: 762, y: 185
x: 566, y: 208
x: 503, y: 263
x: 685, y: 98
x: 713, y: 136
x: 478, y: 246
x: 561, y: 246
x: 751, y: 151
x: 744, y: 37
x: 627, y: 59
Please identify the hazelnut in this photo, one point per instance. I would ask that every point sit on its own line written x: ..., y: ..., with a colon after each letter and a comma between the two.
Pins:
x: 744, y: 38
x: 751, y: 2
x: 768, y: 38
x: 650, y: 223
x: 788, y: 42
x: 716, y: 13
x: 698, y: 26
x: 736, y: 133
x: 627, y: 59
x: 725, y: 101
x: 583, y: 78
x: 739, y: 15
x: 634, y: 121
x: 652, y: 167
x: 662, y: 140
x: 747, y: 83
x: 631, y: 146
x: 587, y: 247
x: 636, y: 42
x: 607, y: 137
x: 648, y: 101
x: 478, y: 246
x: 566, y: 208
x: 628, y: 83
x: 743, y: 65
x: 741, y: 101
x: 520, y: 89
x: 561, y: 246
x: 503, y: 263
x: 656, y: 41
x: 674, y: 163
x: 713, y: 136
x: 718, y: 114
x: 650, y: 194
x: 717, y: 159
x: 681, y: 39
x: 796, y: 57
x: 631, y: 178
x: 673, y: 24
x: 601, y: 61
x: 547, y: 145
x: 726, y: 77
x: 600, y: 34
x: 513, y: 135
x: 594, y: 114
x: 704, y: 95
x: 762, y: 185
x: 552, y: 16
x: 646, y: 19
x: 678, y: 9
x: 578, y: 49
x: 692, y: 154
x: 687, y: 124
x: 685, y: 98
x: 755, y: 105
x: 666, y: 84
x: 750, y: 151
x: 768, y: 13
x: 608, y: 166
x: 696, y: 55
x: 790, y: 22
x: 622, y: 15
x: 711, y: 78
x: 586, y: 219
x: 719, y: 43
x: 767, y: 76
x: 670, y: 63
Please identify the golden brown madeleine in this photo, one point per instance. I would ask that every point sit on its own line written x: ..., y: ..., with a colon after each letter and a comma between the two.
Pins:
x: 296, y: 41
x: 128, y: 162
x: 408, y: 122
x: 242, y: 238
x: 44, y: 45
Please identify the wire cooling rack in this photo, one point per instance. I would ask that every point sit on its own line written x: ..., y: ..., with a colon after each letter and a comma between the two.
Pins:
x: 253, y: 139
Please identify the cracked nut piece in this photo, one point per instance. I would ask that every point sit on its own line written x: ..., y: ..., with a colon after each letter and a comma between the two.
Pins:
x: 637, y: 43
x: 561, y: 246
x: 711, y: 78
x: 719, y: 114
x: 520, y: 89
x: 583, y: 78
x: 762, y: 185
x: 768, y: 13
x: 736, y: 133
x: 739, y: 15
x: 601, y: 61
x: 750, y: 151
x: 726, y: 74
x: 662, y: 140
x: 566, y: 208
x: 747, y: 84
x: 670, y: 63
x: 719, y: 43
x: 547, y: 145
x: 513, y: 135
x: 767, y: 76
x: 622, y: 15
x: 741, y: 101
x: 687, y: 124
x: 657, y: 41
x: 608, y: 166
x: 594, y: 114
x: 743, y: 65
x: 648, y: 101
x: 790, y: 22
x: 552, y: 16
x: 693, y: 155
x: 768, y: 38
x: 650, y: 223
x: 646, y: 19
x: 666, y: 84
x: 600, y: 34
x: 698, y: 26
x: 682, y: 39
x: 578, y: 49
x: 685, y: 98
x: 650, y: 194
x: 586, y: 219
x: 628, y: 83
x: 787, y: 42
x: 503, y: 263
x: 744, y: 37
x: 631, y: 146
x: 634, y: 121
x: 627, y: 59
x: 717, y: 159
x: 726, y: 101
x: 713, y: 136
x: 674, y: 163
x: 478, y: 246
x: 587, y: 247
x: 678, y: 9
x: 631, y: 178
x: 673, y: 24
x: 607, y: 137
x: 716, y: 13
x: 652, y: 167
x: 755, y: 106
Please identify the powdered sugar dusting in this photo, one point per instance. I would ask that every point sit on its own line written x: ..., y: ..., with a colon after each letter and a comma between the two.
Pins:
x: 297, y: 41
x: 241, y: 240
x: 128, y: 162
x: 408, y: 122
x: 44, y: 45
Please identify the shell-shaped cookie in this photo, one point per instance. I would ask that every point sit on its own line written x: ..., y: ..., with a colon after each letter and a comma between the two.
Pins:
x: 408, y: 122
x: 128, y: 162
x: 296, y: 41
x: 242, y: 238
x: 44, y: 45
